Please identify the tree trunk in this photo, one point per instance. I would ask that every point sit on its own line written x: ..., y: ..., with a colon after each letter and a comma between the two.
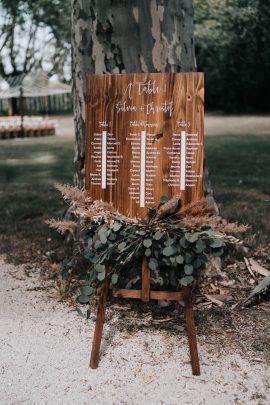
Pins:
x: 126, y: 37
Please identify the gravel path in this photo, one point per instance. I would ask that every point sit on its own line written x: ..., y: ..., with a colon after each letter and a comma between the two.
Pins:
x: 45, y: 347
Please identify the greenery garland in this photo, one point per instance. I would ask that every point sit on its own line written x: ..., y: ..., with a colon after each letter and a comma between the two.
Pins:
x: 176, y: 242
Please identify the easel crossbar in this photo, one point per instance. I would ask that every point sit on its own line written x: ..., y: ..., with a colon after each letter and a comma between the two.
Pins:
x: 153, y: 295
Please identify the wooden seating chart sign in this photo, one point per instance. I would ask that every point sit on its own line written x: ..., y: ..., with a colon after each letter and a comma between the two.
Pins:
x: 144, y: 140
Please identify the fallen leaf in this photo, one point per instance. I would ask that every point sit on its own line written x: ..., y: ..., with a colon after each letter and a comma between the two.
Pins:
x: 157, y: 321
x: 249, y: 267
x: 214, y: 300
x: 260, y: 287
x: 121, y: 307
x: 79, y: 312
x: 258, y: 268
x: 228, y: 283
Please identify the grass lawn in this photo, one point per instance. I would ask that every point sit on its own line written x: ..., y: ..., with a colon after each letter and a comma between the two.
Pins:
x: 239, y: 171
x: 28, y: 169
x: 240, y: 175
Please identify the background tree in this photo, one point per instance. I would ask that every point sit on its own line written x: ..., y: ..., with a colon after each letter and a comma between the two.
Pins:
x: 34, y: 33
x: 232, y: 38
x: 125, y: 37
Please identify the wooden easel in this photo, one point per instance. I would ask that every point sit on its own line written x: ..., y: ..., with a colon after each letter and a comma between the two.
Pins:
x: 145, y: 294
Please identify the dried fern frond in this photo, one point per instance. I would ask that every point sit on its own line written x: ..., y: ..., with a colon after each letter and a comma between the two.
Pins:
x: 198, y: 221
x: 72, y: 194
x: 231, y: 228
x: 215, y: 222
x: 192, y: 216
x: 197, y: 208
x: 62, y: 226
x: 95, y: 211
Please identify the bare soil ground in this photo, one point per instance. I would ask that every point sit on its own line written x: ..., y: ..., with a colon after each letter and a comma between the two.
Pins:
x: 45, y: 348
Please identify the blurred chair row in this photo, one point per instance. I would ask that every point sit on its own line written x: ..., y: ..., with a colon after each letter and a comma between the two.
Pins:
x: 11, y: 127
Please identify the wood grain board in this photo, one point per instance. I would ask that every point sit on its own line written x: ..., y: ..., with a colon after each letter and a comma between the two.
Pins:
x: 144, y: 138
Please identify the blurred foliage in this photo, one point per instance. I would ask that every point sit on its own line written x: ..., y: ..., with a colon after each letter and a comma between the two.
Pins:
x: 34, y: 33
x: 232, y: 48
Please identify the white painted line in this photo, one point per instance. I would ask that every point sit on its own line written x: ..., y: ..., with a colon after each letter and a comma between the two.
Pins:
x: 183, y: 161
x: 104, y: 160
x: 142, y: 177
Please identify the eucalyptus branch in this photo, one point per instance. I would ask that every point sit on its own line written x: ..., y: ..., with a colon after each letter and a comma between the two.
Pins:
x: 182, y: 241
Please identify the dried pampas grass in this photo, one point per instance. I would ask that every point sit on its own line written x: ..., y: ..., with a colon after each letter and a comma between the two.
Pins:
x: 194, y: 216
x: 62, y: 226
x: 72, y: 194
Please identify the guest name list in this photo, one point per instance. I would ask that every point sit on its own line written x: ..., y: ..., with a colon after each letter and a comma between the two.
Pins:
x: 144, y: 139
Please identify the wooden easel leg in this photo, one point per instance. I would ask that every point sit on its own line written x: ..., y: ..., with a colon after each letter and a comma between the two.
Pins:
x: 191, y: 330
x: 94, y: 358
x: 145, y: 294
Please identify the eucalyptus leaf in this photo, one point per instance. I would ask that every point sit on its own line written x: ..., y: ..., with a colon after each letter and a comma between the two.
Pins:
x: 152, y: 264
x: 186, y: 280
x: 122, y: 246
x: 112, y: 236
x: 83, y: 299
x: 184, y: 243
x: 103, y: 238
x: 260, y: 287
x: 99, y: 268
x: 179, y: 259
x: 114, y: 278
x: 88, y: 253
x: 101, y: 275
x: 147, y: 243
x: 102, y: 231
x: 98, y: 244
x: 147, y: 252
x: 208, y: 232
x: 158, y: 235
x: 164, y: 199
x: 200, y: 246
x: 202, y: 257
x: 169, y: 251
x: 89, y: 242
x: 117, y: 226
x: 216, y: 243
x: 169, y: 242
x: 188, y: 269
x: 189, y: 257
x: 94, y: 259
x: 192, y: 237
x: 87, y: 290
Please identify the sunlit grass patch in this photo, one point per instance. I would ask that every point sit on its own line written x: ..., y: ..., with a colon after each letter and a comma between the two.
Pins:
x: 240, y: 175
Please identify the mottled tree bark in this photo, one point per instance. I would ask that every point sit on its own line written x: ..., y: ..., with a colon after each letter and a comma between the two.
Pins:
x: 117, y: 36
